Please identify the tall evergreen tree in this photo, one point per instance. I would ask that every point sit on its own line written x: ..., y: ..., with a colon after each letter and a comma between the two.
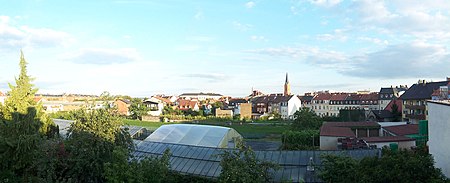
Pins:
x: 21, y: 97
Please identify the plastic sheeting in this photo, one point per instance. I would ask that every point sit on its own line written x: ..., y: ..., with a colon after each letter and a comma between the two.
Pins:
x: 196, y: 135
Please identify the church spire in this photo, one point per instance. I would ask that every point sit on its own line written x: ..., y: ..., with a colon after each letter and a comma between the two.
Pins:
x: 287, y: 80
x: 287, y: 86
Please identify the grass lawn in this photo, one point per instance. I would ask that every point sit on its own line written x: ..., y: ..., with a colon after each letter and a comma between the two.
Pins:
x: 249, y: 131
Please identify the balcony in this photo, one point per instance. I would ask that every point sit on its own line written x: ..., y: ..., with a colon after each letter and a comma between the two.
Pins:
x: 416, y: 116
x: 413, y: 107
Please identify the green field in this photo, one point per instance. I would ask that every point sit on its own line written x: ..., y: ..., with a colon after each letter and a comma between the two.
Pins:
x: 249, y: 131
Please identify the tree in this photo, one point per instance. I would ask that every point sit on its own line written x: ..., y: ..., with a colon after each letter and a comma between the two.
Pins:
x: 138, y: 109
x: 401, y: 166
x: 395, y: 112
x: 242, y: 166
x: 19, y: 141
x: 21, y: 97
x: 300, y: 140
x: 305, y: 118
x: 94, y: 136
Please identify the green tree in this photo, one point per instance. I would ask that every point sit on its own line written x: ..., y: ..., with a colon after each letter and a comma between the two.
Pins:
x: 305, y: 118
x: 242, y: 166
x: 395, y: 112
x: 21, y: 97
x: 300, y: 140
x: 19, y: 140
x: 401, y: 166
x: 94, y: 136
x: 138, y: 109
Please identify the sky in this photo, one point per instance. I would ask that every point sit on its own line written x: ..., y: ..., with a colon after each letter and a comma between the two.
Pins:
x: 144, y: 47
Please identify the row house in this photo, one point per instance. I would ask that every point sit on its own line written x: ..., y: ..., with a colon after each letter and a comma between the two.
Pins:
x: 415, y: 100
x: 201, y: 96
x: 285, y: 105
x: 329, y: 104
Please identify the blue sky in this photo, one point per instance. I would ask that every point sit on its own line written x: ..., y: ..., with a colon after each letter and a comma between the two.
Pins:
x: 143, y: 47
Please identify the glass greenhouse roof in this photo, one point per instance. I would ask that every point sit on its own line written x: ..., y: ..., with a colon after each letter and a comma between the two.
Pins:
x: 196, y: 135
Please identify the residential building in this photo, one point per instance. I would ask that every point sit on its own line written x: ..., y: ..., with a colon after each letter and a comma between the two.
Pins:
x: 201, y: 96
x: 245, y: 111
x: 2, y: 98
x: 386, y: 95
x: 123, y: 106
x: 320, y: 103
x: 306, y: 100
x: 438, y: 126
x: 415, y: 100
x: 286, y: 106
x: 224, y: 113
x: 330, y: 132
x: 188, y: 104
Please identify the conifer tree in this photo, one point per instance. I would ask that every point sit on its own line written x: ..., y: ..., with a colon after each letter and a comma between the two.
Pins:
x: 21, y: 97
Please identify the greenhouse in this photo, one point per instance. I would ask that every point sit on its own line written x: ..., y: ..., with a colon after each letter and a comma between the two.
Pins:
x: 196, y: 135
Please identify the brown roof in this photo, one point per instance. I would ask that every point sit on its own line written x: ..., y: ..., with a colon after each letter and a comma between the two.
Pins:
x: 336, y: 131
x: 322, y: 96
x: 370, y: 96
x: 402, y: 130
x: 187, y: 104
x: 343, y: 129
x: 388, y: 139
x: 167, y: 101
x: 339, y: 96
x: 353, y: 124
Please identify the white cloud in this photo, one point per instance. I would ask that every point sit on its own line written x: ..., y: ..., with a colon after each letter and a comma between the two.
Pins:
x: 338, y: 34
x: 241, y: 27
x: 325, y: 3
x: 258, y: 38
x: 211, y: 77
x: 409, y: 60
x: 16, y: 37
x: 101, y: 56
x: 250, y: 4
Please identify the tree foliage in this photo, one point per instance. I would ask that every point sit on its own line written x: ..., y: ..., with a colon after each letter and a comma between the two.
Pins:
x: 21, y: 97
x: 402, y: 166
x: 305, y: 118
x: 395, y: 112
x: 138, y: 109
x: 300, y: 140
x: 242, y: 166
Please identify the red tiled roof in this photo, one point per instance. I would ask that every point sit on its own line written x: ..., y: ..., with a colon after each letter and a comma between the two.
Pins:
x: 370, y: 96
x: 187, y: 104
x: 388, y: 139
x: 339, y: 96
x: 2, y: 94
x: 37, y: 99
x: 322, y: 96
x: 167, y: 101
x: 398, y: 102
x: 402, y: 130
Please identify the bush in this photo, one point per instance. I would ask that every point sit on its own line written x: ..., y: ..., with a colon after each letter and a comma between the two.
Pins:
x: 300, y: 140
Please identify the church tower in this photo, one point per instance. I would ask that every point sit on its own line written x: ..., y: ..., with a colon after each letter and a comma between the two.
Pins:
x: 287, y: 87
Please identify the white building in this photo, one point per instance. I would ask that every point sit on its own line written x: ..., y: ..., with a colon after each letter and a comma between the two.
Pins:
x: 439, y: 137
x: 2, y: 98
x: 201, y: 96
x: 289, y: 107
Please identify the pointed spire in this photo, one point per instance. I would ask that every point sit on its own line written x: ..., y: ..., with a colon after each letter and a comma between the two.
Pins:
x: 287, y: 80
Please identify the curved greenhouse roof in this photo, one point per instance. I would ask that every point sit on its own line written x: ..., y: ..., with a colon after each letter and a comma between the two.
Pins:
x: 196, y: 135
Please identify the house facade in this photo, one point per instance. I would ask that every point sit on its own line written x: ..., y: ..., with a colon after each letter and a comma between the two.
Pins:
x: 438, y: 125
x: 283, y: 105
x: 201, y: 96
x: 415, y: 100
